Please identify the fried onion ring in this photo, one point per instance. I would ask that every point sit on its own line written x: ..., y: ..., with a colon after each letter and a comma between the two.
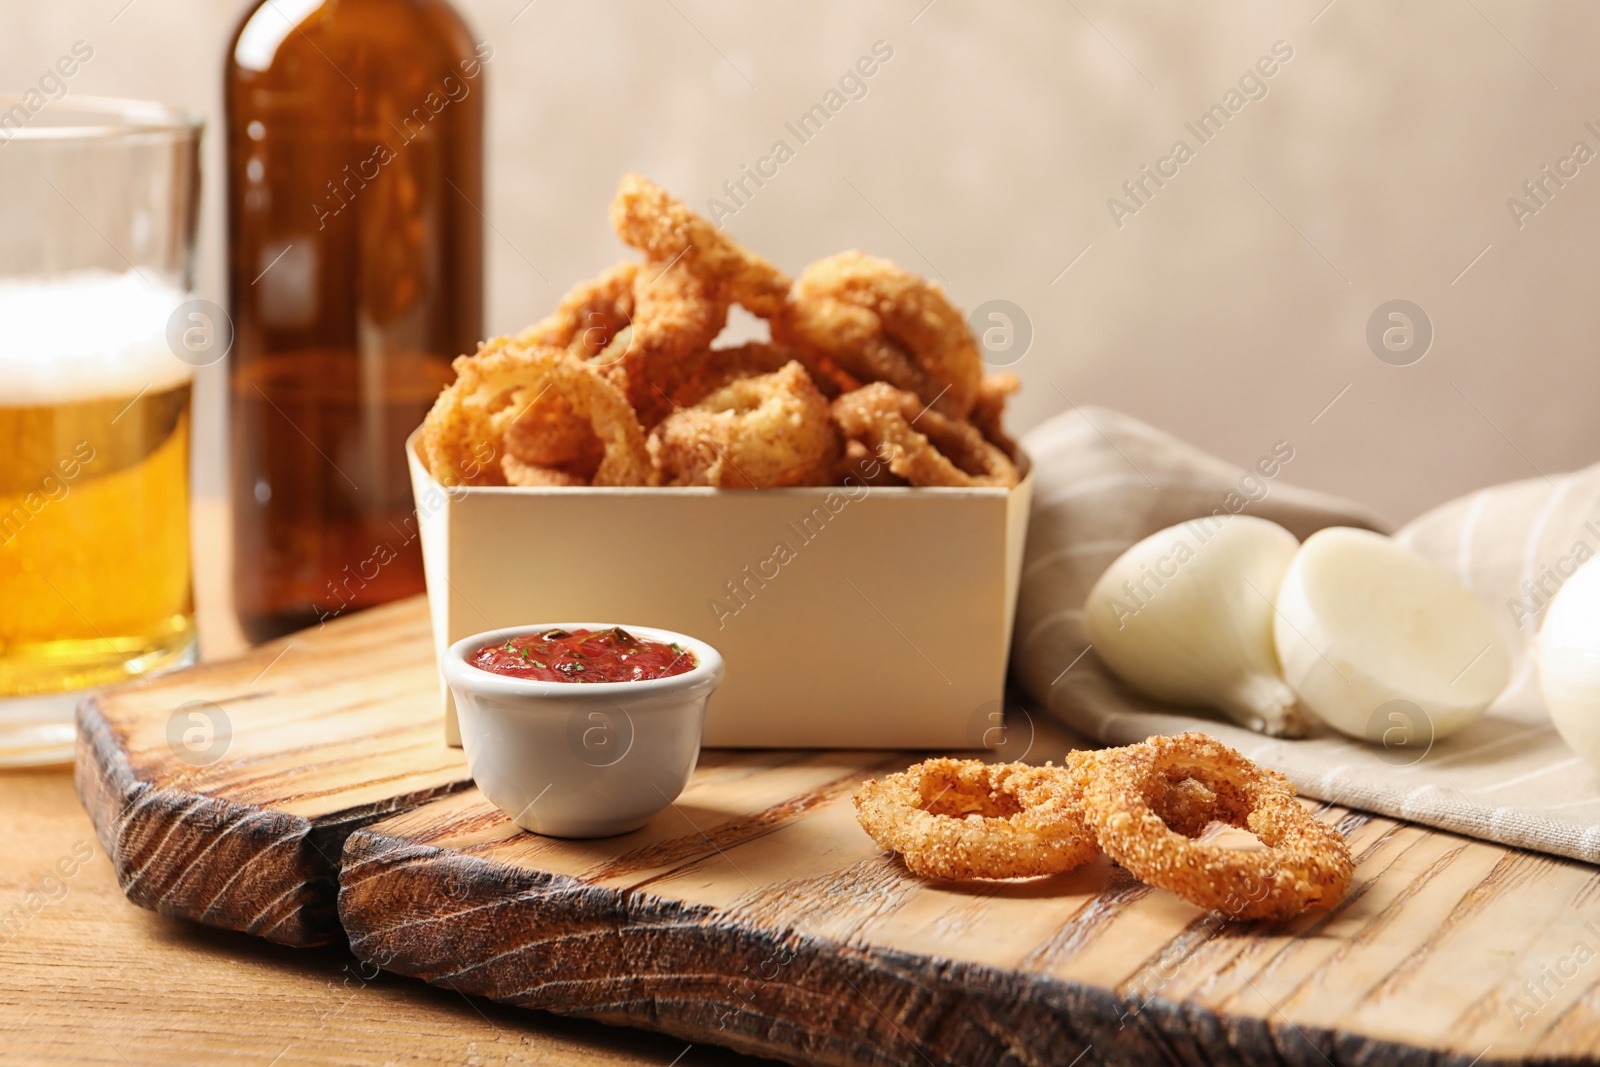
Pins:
x: 880, y: 323
x: 481, y: 406
x: 923, y: 446
x: 963, y: 819
x: 717, y: 367
x: 1306, y: 862
x: 661, y: 226
x: 758, y: 432
x: 988, y: 410
x: 547, y: 443
x: 647, y: 329
x: 676, y: 317
x: 710, y: 369
x: 858, y: 466
x: 1187, y: 806
x: 527, y: 475
x: 589, y: 317
x: 636, y: 323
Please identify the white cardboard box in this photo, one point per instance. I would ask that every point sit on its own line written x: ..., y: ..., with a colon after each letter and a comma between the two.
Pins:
x: 849, y: 617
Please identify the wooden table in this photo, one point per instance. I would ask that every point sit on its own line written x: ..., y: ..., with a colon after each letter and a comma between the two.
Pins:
x: 87, y: 978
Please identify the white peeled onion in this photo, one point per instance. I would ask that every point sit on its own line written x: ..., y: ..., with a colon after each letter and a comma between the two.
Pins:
x: 1569, y: 662
x: 1186, y: 616
x: 1364, y: 623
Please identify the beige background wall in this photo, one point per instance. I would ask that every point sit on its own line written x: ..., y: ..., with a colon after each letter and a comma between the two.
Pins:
x: 1231, y: 309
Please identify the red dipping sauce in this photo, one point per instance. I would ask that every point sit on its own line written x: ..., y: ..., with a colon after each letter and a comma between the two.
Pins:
x: 612, y: 655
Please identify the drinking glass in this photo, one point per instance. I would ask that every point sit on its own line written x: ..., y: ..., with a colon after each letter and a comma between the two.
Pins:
x: 98, y: 346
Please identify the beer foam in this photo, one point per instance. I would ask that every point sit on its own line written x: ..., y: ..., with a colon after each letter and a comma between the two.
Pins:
x: 85, y: 335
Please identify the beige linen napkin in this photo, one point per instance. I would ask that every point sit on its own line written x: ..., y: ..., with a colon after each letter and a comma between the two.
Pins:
x: 1104, y: 481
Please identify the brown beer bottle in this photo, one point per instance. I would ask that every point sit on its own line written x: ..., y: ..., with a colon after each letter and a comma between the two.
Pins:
x: 355, y: 148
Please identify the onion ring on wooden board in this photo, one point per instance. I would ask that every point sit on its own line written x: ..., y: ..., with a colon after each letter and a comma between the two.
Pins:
x: 923, y: 446
x: 480, y: 406
x: 661, y: 226
x: 881, y: 323
x: 759, y: 432
x: 1306, y: 862
x: 964, y: 819
x: 1188, y: 806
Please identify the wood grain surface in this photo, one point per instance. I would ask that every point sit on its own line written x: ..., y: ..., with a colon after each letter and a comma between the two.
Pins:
x: 302, y: 740
x: 754, y: 914
x: 87, y: 980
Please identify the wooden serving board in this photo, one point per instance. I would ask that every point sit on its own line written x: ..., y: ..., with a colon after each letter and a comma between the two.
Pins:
x: 318, y: 733
x: 755, y: 914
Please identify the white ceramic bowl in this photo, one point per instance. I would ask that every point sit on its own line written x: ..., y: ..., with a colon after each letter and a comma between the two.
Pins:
x: 581, y: 759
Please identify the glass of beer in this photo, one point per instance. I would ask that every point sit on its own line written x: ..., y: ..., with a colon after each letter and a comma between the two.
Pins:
x: 98, y: 347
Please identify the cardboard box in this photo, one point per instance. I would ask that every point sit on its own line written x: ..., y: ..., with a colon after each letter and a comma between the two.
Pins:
x: 850, y: 617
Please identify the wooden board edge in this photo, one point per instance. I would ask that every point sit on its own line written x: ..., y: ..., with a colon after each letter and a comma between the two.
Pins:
x: 234, y: 866
x: 558, y: 944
